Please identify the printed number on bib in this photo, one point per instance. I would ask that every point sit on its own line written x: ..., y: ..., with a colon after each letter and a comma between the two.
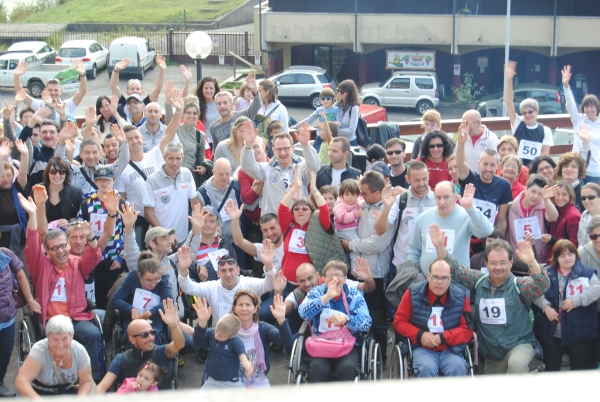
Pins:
x: 527, y: 225
x: 488, y: 209
x: 297, y: 242
x: 529, y: 149
x: 492, y: 311
x: 325, y: 326
x: 448, y: 242
x: 435, y: 323
x: 89, y: 291
x: 98, y: 221
x: 577, y: 287
x: 144, y: 300
x: 60, y: 292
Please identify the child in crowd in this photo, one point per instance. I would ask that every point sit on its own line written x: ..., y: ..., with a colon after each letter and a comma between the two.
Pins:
x: 147, y: 379
x: 227, y: 352
x: 346, y: 213
x: 245, y: 97
x: 327, y: 98
x: 275, y: 127
x: 431, y: 120
x: 375, y: 153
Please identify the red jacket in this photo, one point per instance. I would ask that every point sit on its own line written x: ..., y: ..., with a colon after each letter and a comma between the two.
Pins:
x: 452, y: 337
x: 248, y: 195
x: 44, y: 275
x: 565, y: 227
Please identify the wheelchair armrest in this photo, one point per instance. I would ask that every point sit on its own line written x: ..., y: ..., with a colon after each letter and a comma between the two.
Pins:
x: 303, y: 328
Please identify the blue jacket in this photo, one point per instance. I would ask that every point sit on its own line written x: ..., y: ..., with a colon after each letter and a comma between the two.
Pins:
x: 451, y: 315
x: 20, y: 211
x: 577, y: 326
x: 360, y: 320
x: 123, y: 297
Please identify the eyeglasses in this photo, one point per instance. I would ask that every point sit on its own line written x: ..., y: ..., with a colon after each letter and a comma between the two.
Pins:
x: 502, y: 264
x: 442, y: 279
x: 301, y: 209
x: 280, y: 150
x: 331, y: 276
x: 60, y: 246
x: 362, y: 193
x: 513, y: 167
x: 146, y: 334
x: 229, y: 261
x: 60, y: 172
x: 527, y: 112
x: 431, y: 146
x: 588, y: 197
x: 594, y: 236
x: 326, y: 98
x: 390, y: 153
x: 341, y: 91
x: 154, y: 282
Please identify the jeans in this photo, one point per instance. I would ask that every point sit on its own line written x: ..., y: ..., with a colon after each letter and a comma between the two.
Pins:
x: 88, y: 335
x: 317, y: 143
x: 428, y: 363
x: 7, y: 342
x: 592, y: 362
x: 377, y: 309
x: 578, y: 355
x: 354, y: 143
x: 591, y: 179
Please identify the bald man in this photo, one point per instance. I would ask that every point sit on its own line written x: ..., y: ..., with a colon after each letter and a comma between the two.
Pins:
x: 480, y: 138
x: 141, y: 336
x: 153, y: 130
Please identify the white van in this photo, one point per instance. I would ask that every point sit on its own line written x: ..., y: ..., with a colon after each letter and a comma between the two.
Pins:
x: 135, y: 49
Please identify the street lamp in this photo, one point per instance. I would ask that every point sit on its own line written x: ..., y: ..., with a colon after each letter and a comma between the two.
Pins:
x: 198, y: 46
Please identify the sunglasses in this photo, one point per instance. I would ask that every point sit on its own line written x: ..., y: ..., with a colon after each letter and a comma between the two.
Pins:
x: 60, y: 172
x: 301, y: 209
x: 146, y: 334
x: 594, y: 236
x: 527, y: 112
x: 588, y: 197
x: 341, y: 91
x: 431, y: 146
x: 390, y: 153
x: 326, y: 98
x: 229, y: 261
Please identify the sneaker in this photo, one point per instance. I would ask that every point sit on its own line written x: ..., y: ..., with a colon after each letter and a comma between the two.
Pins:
x: 180, y: 362
x: 389, y: 338
x: 565, y: 360
x: 5, y: 392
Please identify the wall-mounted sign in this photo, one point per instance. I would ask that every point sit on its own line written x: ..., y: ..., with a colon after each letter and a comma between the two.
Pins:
x: 410, y: 60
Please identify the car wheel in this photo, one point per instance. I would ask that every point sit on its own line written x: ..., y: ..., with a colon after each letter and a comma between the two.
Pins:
x: 314, y: 101
x: 142, y: 74
x: 36, y: 88
x: 424, y: 106
x: 371, y: 101
x: 94, y: 73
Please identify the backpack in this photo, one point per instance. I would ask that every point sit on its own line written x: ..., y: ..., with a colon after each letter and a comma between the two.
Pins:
x: 261, y: 123
x: 362, y: 131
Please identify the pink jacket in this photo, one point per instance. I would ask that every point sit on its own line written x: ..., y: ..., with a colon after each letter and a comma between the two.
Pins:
x: 126, y: 387
x: 345, y: 214
x: 44, y: 276
x: 538, y: 211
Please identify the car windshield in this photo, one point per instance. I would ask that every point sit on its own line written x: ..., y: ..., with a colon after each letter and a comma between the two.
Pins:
x: 71, y: 52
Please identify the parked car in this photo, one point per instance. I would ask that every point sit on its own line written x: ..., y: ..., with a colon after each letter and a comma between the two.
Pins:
x: 548, y: 97
x: 137, y: 50
x: 93, y: 55
x: 410, y: 89
x: 303, y: 84
x: 37, y: 74
x: 42, y: 51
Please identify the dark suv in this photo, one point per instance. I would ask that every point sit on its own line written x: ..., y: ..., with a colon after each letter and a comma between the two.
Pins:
x: 548, y: 97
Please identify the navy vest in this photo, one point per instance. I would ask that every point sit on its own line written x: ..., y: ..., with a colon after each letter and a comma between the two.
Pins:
x: 535, y: 135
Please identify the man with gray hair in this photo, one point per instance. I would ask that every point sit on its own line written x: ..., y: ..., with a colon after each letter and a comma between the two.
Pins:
x: 167, y: 192
x: 481, y: 138
x: 220, y: 129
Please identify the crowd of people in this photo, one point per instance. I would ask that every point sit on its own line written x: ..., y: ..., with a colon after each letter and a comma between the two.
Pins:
x: 212, y: 216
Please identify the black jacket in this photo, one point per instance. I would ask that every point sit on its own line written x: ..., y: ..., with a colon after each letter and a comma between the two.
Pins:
x: 324, y: 175
x: 70, y: 201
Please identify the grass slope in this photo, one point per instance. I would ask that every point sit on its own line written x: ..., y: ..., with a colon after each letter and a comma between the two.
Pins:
x: 134, y: 11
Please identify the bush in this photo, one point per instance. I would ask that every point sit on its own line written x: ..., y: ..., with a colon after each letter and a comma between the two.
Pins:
x: 22, y: 10
x: 3, y: 13
x: 467, y: 91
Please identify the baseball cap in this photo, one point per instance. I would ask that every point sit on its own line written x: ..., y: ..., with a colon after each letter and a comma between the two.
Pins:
x: 134, y: 96
x: 211, y: 210
x: 104, y: 172
x: 158, y: 231
x: 382, y: 168
x: 71, y: 118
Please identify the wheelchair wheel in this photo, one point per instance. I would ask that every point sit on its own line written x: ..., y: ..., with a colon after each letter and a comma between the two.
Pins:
x: 469, y: 360
x: 301, y: 372
x: 375, y: 362
x: 174, y: 371
x: 26, y: 337
x: 293, y: 363
x: 396, y: 364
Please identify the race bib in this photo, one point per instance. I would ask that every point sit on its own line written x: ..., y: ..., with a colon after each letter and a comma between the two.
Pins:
x: 529, y: 149
x: 409, y: 217
x: 325, y: 326
x: 59, y: 294
x: 577, y: 287
x: 215, y: 256
x: 89, y: 291
x: 488, y: 209
x: 224, y: 215
x: 435, y: 323
x: 286, y: 180
x: 492, y: 311
x: 296, y: 244
x: 527, y: 225
x: 485, y: 270
x: 98, y: 221
x: 448, y: 242
x: 144, y: 300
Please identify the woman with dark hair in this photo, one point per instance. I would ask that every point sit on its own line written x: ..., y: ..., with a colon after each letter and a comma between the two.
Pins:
x: 436, y: 147
x: 348, y: 101
x: 571, y: 168
x: 64, y: 199
x: 106, y: 119
x: 590, y: 197
x: 207, y: 88
x: 565, y: 227
x: 543, y: 165
x: 567, y: 320
x: 13, y: 218
x: 271, y: 109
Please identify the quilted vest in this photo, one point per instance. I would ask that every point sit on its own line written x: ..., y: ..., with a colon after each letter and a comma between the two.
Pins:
x: 322, y: 246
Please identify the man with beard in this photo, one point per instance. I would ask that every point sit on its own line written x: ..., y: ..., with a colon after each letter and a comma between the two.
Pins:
x: 395, y: 150
x: 338, y: 170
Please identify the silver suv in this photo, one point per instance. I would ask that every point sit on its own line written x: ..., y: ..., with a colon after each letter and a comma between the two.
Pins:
x: 414, y: 89
x: 303, y: 84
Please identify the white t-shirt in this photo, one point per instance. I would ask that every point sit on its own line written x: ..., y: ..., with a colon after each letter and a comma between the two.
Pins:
x: 336, y: 177
x: 71, y: 107
x: 292, y: 298
x: 548, y: 140
x: 277, y: 255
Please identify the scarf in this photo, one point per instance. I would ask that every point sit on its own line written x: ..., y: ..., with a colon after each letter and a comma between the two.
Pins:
x: 260, y: 352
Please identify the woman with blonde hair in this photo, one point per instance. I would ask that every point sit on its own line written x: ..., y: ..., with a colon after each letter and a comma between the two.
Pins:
x: 508, y: 145
x: 430, y: 121
x: 231, y: 148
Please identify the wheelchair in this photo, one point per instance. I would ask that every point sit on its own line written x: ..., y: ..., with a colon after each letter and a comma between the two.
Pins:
x: 401, y: 359
x: 371, y: 368
x: 29, y: 331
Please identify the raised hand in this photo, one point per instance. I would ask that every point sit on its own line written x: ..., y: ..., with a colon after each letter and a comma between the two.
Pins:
x: 28, y: 205
x: 21, y: 147
x: 203, y: 311
x: 20, y: 97
x: 511, y: 70
x: 248, y: 133
x: 168, y: 90
x: 88, y: 229
x: 185, y: 259
x: 236, y: 92
x: 296, y: 184
x: 278, y: 309
x: 437, y: 235
x: 160, y: 62
x: 21, y: 68
x: 566, y: 76
x: 170, y: 316
x: 251, y: 82
x: 90, y: 116
x: 111, y: 202
x: 118, y: 132
x: 303, y: 134
x: 463, y: 132
x: 114, y: 105
x: 120, y: 66
x: 4, y: 151
x: 332, y: 288
x: 279, y: 283
x: 39, y: 116
x: 128, y: 214
x: 46, y: 98
x: 266, y: 256
x: 79, y: 67
x: 177, y: 99
x: 61, y: 109
x: 232, y: 210
x: 550, y: 192
x: 584, y: 133
x: 466, y: 200
x: 197, y: 219
x: 68, y: 131
x: 362, y: 271
x: 387, y: 196
x: 525, y: 252
x: 39, y: 194
x: 186, y: 72
x: 7, y: 111
x: 313, y: 182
